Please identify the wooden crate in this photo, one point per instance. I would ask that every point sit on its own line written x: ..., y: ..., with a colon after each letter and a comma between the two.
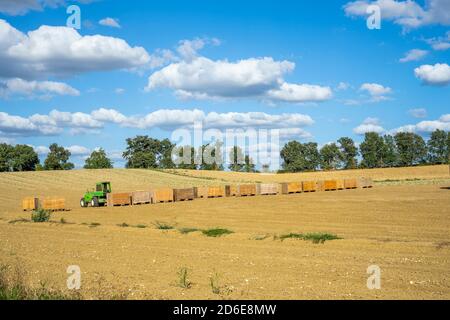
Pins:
x: 118, y: 199
x: 54, y: 204
x: 30, y: 203
x: 245, y: 190
x: 267, y: 188
x: 183, y: 194
x: 291, y: 187
x: 309, y: 186
x: 340, y: 184
x: 330, y: 185
x: 231, y: 191
x: 216, y: 192
x: 201, y: 192
x: 366, y: 182
x: 350, y: 183
x: 141, y: 197
x: 162, y: 195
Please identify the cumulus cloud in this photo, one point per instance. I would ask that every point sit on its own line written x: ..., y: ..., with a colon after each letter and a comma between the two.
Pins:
x: 75, y: 150
x: 110, y: 22
x: 63, y: 51
x: 437, y: 75
x: 17, y: 86
x: 414, y: 55
x: 203, y: 78
x: 407, y: 14
x: 21, y: 7
x: 418, y: 112
x: 377, y: 91
x: 369, y: 125
x: 426, y: 127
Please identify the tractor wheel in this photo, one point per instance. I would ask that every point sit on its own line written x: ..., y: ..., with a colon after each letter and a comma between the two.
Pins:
x: 83, y: 203
x: 94, y: 202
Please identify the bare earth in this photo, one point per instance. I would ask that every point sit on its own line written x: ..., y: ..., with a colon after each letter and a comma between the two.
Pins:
x: 402, y: 225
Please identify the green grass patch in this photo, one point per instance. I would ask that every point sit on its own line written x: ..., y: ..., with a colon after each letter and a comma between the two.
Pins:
x: 163, y: 226
x: 216, y: 232
x: 40, y: 215
x: 123, y: 225
x: 140, y: 226
x: 316, y: 237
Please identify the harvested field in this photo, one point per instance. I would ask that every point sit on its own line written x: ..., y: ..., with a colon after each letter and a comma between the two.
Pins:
x: 401, y: 227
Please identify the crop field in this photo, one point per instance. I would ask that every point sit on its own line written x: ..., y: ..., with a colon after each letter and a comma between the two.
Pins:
x: 235, y: 248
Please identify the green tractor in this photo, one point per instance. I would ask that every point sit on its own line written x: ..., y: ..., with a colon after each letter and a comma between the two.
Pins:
x: 96, y: 198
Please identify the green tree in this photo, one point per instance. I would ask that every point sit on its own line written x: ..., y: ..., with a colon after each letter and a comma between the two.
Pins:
x: 300, y: 157
x: 330, y: 156
x: 372, y: 151
x: 411, y: 148
x: 438, y: 147
x: 188, y: 164
x: 145, y: 152
x: 58, y: 158
x: 98, y: 160
x: 349, y: 152
x: 249, y: 166
x: 211, y: 155
x: 6, y: 155
x: 237, y: 159
x: 390, y: 156
x: 24, y: 158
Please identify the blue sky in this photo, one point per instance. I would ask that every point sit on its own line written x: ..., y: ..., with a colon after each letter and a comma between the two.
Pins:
x: 315, y: 63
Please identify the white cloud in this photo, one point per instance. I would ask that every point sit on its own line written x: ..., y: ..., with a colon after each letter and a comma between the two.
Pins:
x: 63, y: 51
x: 377, y: 91
x: 343, y: 86
x: 110, y: 22
x: 438, y: 74
x: 426, y: 127
x: 414, y: 55
x: 418, y: 112
x: 41, y: 150
x: 30, y: 88
x: 440, y: 43
x: 203, y: 78
x: 290, y: 92
x: 407, y: 13
x: 369, y: 125
x: 78, y: 150
x: 119, y: 90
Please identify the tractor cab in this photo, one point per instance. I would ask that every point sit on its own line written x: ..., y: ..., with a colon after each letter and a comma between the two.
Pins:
x: 104, y: 187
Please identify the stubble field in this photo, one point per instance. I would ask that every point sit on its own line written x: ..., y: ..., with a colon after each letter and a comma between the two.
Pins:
x: 402, y: 225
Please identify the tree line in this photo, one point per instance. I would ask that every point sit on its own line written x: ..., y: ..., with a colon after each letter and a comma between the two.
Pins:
x: 376, y: 151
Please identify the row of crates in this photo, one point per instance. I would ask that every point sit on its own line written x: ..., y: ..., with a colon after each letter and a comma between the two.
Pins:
x: 161, y: 195
x: 51, y: 204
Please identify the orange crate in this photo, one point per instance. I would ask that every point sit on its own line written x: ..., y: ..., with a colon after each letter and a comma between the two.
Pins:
x: 366, y: 182
x: 162, y: 195
x: 54, y: 204
x: 247, y: 190
x: 216, y: 192
x: 350, y: 183
x: 291, y: 187
x: 118, y: 199
x: 30, y: 203
x: 330, y: 185
x: 231, y: 191
x: 309, y: 186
